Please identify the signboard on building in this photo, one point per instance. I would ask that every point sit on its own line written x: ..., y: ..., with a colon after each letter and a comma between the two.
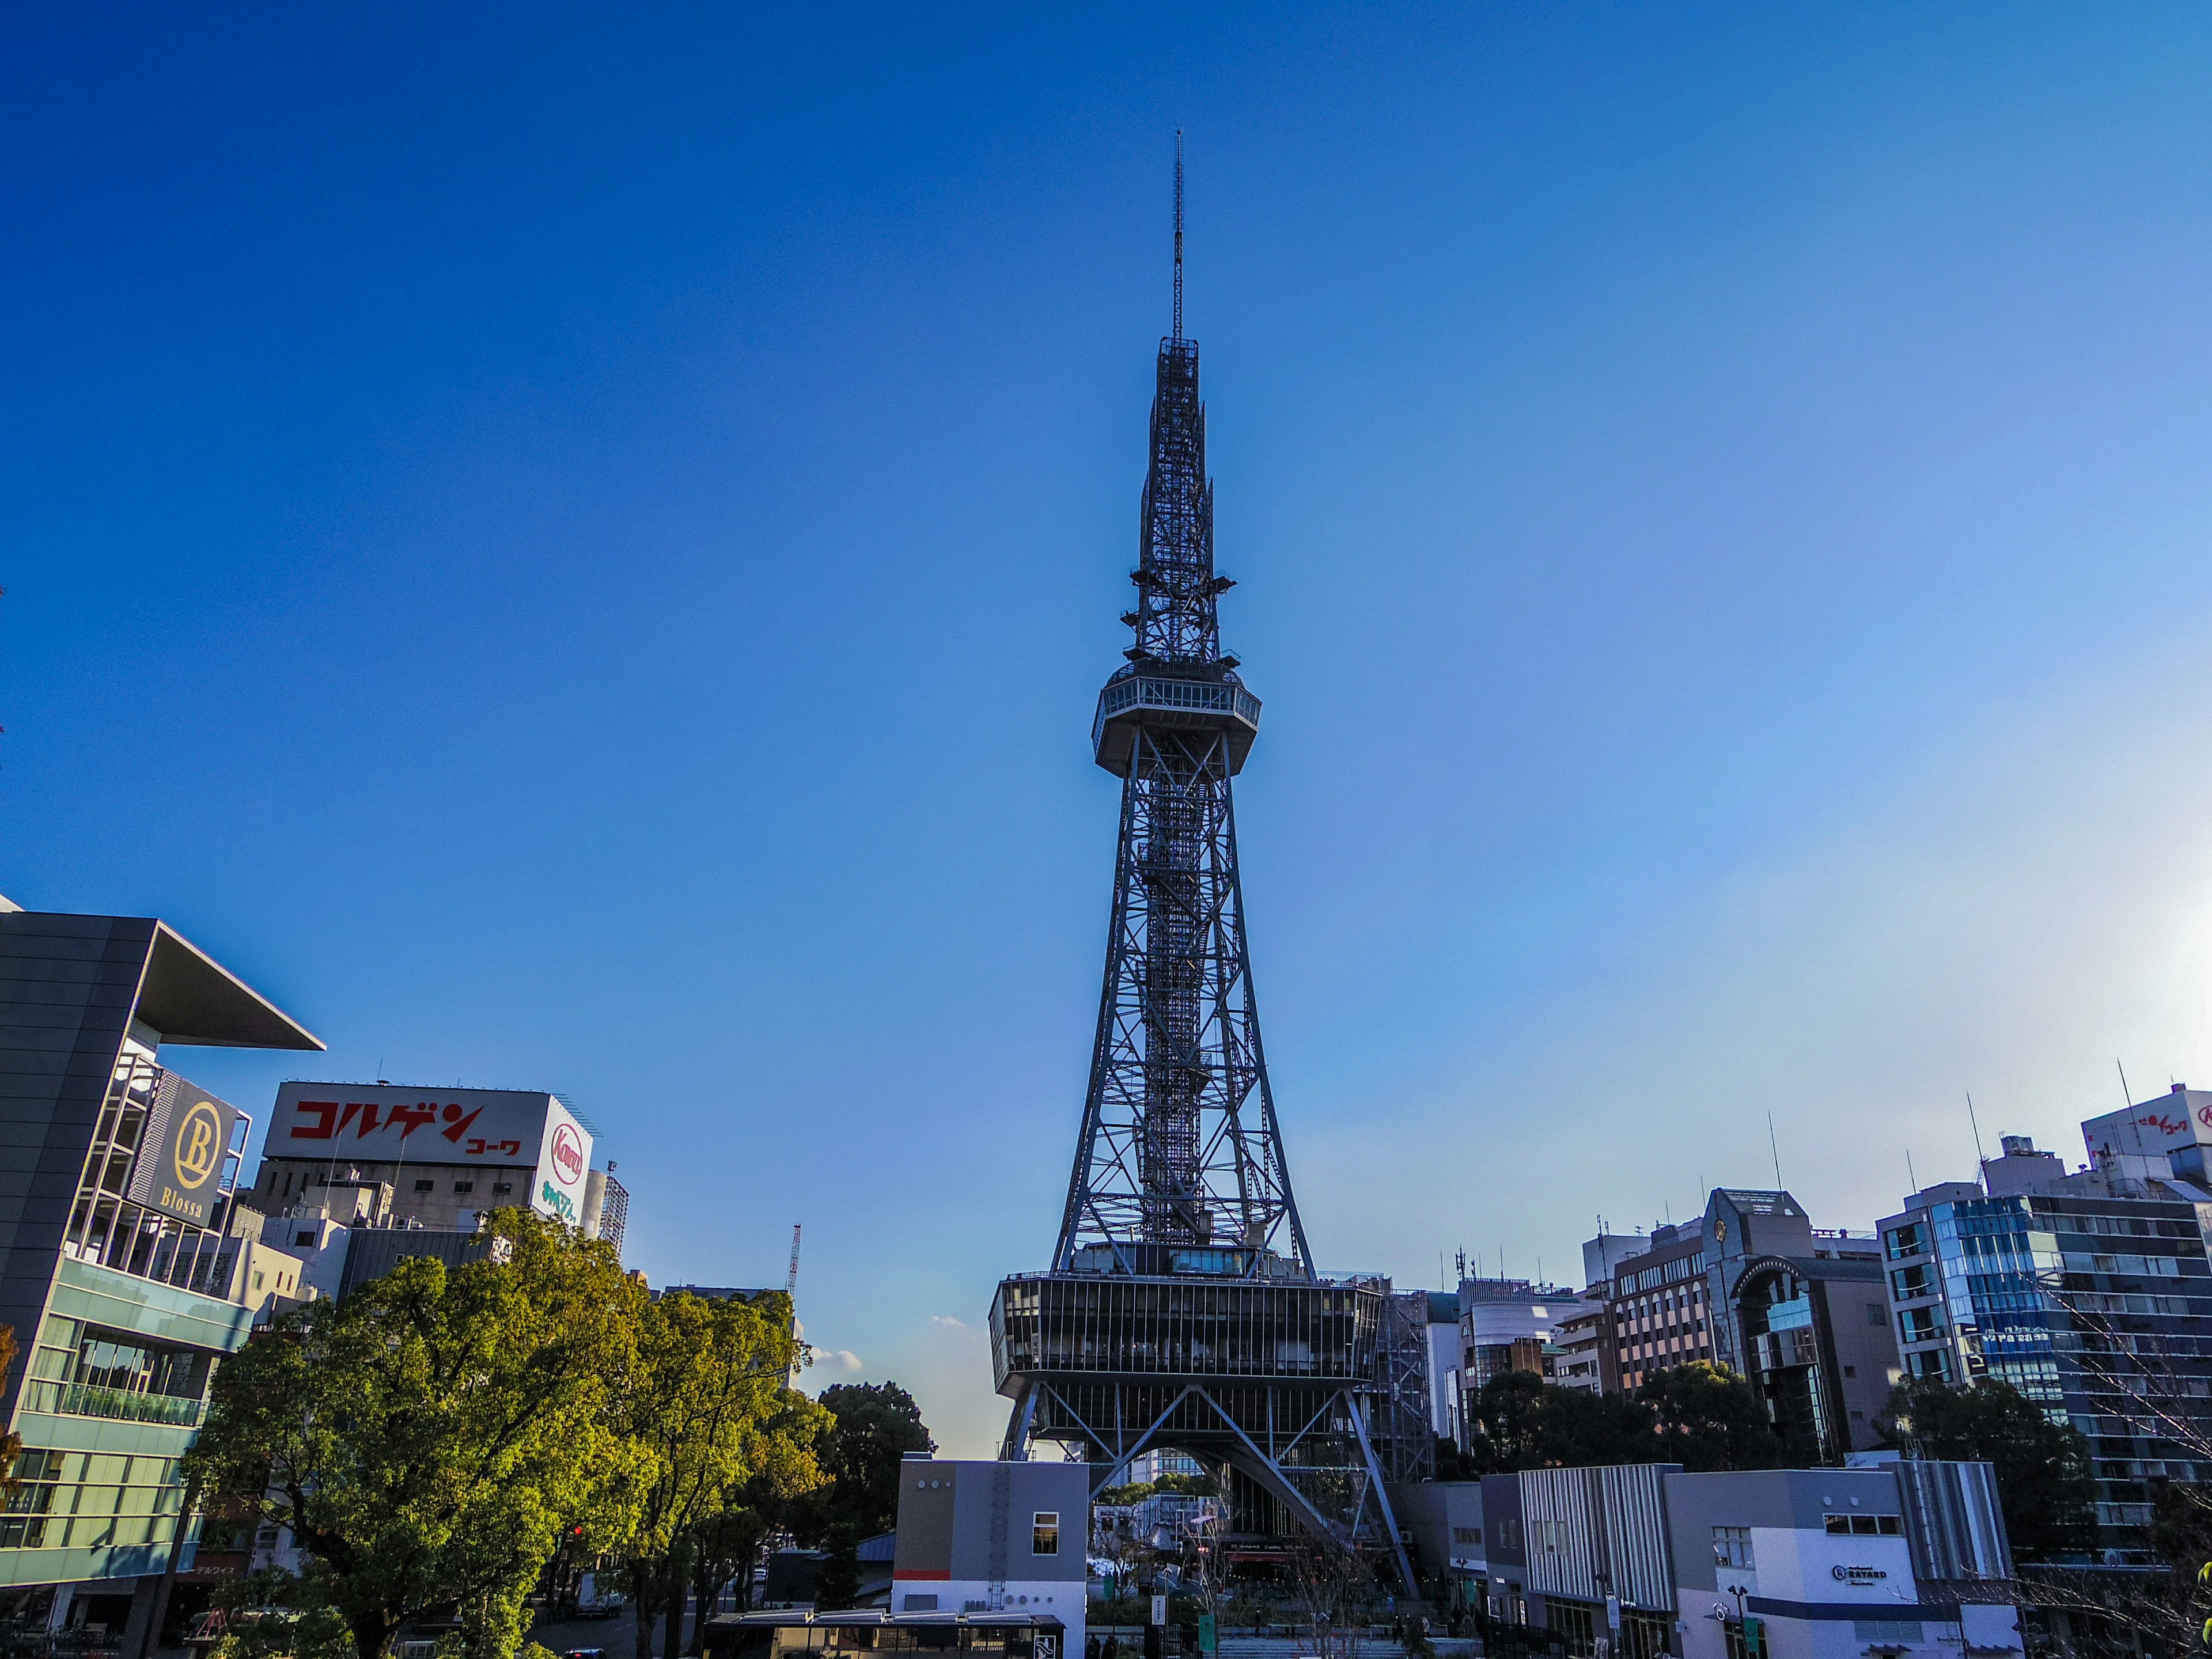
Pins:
x: 563, y: 1160
x: 178, y: 1171
x: 353, y: 1123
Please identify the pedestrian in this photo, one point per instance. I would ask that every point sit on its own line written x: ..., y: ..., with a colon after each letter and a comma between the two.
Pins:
x: 1090, y: 1648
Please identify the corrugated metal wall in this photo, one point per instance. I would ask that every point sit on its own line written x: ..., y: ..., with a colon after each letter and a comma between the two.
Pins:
x: 1594, y: 1532
x: 1953, y: 1519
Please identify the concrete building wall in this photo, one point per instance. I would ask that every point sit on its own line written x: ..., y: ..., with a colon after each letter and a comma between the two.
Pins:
x: 967, y: 1537
x: 1445, y: 1517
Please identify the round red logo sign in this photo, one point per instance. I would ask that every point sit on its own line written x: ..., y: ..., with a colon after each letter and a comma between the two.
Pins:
x: 567, y: 1155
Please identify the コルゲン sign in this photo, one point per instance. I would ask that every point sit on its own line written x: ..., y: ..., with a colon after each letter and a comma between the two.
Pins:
x: 181, y: 1154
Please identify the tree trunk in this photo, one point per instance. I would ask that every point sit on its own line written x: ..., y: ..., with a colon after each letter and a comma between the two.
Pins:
x: 707, y: 1581
x: 672, y: 1641
x: 372, y: 1633
x: 645, y: 1597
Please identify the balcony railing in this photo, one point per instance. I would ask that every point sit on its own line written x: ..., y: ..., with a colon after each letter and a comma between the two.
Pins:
x: 84, y: 1400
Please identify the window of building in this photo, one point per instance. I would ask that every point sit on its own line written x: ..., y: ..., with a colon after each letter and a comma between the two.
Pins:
x: 425, y: 1186
x: 1866, y: 1526
x: 1876, y: 1313
x: 1930, y: 1362
x: 501, y: 1188
x: 91, y: 1501
x: 1905, y: 1241
x: 1732, y: 1547
x: 1917, y: 1325
x: 465, y: 1186
x: 1044, y: 1533
x: 307, y: 1239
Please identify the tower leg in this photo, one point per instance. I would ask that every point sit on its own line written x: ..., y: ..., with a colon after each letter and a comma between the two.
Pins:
x: 1015, y: 1448
x: 1382, y: 1496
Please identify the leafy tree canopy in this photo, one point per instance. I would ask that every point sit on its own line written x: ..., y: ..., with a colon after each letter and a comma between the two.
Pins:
x: 1706, y: 1417
x: 2043, y: 1471
x: 705, y: 1409
x: 1700, y: 1416
x: 426, y: 1438
x: 876, y: 1426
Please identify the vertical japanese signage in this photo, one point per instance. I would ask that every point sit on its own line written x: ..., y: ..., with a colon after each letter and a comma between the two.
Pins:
x: 564, y: 1158
x: 178, y: 1171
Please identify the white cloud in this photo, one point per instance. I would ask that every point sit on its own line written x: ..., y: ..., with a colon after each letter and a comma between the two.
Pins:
x: 838, y: 1359
x: 949, y: 1321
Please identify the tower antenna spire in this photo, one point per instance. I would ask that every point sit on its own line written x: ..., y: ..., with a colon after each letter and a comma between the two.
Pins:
x: 1178, y: 251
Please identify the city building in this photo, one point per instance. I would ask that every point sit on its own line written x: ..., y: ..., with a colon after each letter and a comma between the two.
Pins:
x: 2090, y: 1292
x: 1585, y: 1351
x: 1751, y: 1284
x: 1447, y: 1386
x: 1508, y: 1325
x: 126, y: 1270
x: 987, y: 1538
x: 1906, y: 1559
x: 1156, y: 1465
x: 432, y: 1158
x: 1659, y: 1312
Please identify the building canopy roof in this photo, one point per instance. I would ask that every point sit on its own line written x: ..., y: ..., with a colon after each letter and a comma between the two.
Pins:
x: 191, y: 998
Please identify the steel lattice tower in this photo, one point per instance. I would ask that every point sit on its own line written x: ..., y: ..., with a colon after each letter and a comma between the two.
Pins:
x: 1183, y: 1309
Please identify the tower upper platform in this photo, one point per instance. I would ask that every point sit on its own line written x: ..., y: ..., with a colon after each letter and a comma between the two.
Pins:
x: 1172, y: 695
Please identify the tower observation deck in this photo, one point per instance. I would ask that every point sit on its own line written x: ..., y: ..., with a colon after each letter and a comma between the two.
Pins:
x: 1183, y: 1309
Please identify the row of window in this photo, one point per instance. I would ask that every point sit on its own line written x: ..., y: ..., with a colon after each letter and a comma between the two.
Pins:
x: 90, y: 1500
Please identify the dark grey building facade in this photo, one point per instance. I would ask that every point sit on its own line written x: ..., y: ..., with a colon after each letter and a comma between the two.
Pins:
x: 121, y: 1273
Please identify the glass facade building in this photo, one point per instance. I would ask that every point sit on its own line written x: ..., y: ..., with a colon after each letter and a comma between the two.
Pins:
x: 2092, y: 1296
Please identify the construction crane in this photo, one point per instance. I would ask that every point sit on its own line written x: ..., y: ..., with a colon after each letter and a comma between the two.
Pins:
x: 791, y: 1279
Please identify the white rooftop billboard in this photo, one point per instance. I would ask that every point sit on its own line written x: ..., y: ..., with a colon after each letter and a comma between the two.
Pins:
x: 386, y: 1123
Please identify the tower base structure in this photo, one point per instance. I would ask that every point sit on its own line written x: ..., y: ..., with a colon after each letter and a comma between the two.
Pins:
x: 1308, y: 1396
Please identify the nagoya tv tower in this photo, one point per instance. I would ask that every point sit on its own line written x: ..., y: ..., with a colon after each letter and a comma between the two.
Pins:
x: 1182, y: 1311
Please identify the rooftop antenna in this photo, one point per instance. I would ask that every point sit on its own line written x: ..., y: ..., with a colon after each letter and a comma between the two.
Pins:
x: 2127, y: 1096
x: 1178, y: 271
x: 1909, y: 1175
x: 1775, y: 1147
x: 1978, y: 1159
x: 791, y: 1279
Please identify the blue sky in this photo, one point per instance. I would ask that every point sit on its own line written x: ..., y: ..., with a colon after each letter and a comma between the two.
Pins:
x: 574, y: 549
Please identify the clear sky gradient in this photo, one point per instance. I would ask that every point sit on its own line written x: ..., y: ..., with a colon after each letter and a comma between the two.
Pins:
x: 574, y: 549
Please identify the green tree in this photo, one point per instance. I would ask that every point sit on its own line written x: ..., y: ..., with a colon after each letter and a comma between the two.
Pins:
x: 1519, y: 1421
x: 1580, y: 1428
x: 705, y: 1407
x: 426, y: 1438
x: 1706, y: 1417
x: 877, y: 1424
x: 2043, y: 1471
x: 1505, y: 1418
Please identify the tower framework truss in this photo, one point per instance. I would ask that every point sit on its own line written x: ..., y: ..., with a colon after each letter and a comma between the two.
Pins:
x: 1183, y: 1309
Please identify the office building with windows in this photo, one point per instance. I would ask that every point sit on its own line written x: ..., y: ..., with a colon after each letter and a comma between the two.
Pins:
x: 126, y: 1271
x: 1752, y: 1285
x: 2090, y: 1293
